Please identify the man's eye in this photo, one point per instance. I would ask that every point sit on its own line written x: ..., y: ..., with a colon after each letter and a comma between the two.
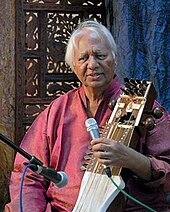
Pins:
x: 100, y: 56
x: 83, y: 58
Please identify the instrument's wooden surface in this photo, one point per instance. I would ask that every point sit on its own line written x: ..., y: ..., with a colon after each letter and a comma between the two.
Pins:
x: 100, y: 186
x: 125, y: 126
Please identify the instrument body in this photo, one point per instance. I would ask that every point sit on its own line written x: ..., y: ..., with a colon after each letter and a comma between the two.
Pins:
x: 126, y: 125
x: 97, y: 192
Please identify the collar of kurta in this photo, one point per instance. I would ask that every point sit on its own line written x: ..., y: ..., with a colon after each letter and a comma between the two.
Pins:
x: 109, y: 92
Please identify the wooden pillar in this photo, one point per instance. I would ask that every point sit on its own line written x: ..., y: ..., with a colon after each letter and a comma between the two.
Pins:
x: 7, y: 93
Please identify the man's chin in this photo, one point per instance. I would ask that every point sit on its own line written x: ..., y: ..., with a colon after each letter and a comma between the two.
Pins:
x: 98, y: 84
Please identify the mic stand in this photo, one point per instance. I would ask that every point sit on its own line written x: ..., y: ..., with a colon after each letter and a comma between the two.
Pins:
x: 60, y: 179
x: 32, y: 159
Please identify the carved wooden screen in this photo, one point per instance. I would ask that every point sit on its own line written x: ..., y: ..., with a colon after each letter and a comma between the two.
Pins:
x: 42, y: 31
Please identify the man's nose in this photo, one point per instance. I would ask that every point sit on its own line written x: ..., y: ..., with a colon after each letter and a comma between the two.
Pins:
x: 92, y: 62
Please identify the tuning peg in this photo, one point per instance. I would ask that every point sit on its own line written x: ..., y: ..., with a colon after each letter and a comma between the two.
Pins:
x: 156, y: 112
x: 89, y: 152
x: 129, y: 89
x: 112, y: 104
x: 83, y: 167
x: 149, y: 123
x: 87, y: 157
x: 126, y: 79
x: 125, y: 91
x: 128, y: 85
x: 140, y: 92
x: 132, y: 81
x: 89, y: 147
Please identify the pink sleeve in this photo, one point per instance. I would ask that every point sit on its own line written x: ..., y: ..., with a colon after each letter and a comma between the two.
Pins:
x: 35, y: 143
x: 158, y: 144
x: 161, y: 175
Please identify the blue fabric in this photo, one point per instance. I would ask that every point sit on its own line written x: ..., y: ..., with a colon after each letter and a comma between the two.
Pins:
x: 141, y: 29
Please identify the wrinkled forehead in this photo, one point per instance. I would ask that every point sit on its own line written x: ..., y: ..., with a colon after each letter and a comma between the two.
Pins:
x: 89, y: 33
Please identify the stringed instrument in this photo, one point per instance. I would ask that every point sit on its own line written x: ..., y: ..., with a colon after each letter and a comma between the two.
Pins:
x: 130, y: 116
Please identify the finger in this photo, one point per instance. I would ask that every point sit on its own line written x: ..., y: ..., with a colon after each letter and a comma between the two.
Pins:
x: 97, y: 140
x: 102, y: 155
x: 100, y: 140
x: 104, y: 161
x: 100, y: 147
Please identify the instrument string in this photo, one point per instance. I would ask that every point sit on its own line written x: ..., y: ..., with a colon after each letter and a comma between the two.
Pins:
x: 115, y: 131
x: 120, y: 129
x: 98, y: 169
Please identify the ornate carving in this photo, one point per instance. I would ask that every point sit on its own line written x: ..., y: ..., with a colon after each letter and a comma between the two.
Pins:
x: 43, y: 29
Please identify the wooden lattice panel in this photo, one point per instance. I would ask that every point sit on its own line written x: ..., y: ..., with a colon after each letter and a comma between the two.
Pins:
x: 42, y: 31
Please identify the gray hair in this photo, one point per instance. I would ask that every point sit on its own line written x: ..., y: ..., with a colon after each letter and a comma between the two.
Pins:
x: 102, y: 32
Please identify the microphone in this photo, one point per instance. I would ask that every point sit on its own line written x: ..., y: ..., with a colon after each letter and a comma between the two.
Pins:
x: 92, y: 128
x: 60, y: 178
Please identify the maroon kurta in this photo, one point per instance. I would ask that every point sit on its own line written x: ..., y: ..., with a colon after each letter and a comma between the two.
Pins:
x: 58, y: 137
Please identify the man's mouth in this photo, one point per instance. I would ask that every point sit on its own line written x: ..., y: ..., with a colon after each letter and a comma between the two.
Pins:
x: 93, y: 74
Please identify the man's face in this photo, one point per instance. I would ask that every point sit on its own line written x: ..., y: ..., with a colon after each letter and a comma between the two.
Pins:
x: 94, y: 64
